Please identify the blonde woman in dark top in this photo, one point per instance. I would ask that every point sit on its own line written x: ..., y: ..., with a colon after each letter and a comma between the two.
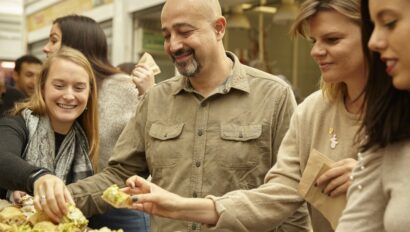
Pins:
x: 54, y: 134
x: 117, y: 100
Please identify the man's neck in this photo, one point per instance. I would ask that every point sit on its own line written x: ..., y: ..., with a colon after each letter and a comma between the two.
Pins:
x: 207, y: 81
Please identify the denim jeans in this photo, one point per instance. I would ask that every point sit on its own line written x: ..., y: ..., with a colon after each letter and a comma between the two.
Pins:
x: 128, y: 220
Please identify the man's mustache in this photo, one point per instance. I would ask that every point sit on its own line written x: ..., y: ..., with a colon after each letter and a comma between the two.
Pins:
x: 183, y: 51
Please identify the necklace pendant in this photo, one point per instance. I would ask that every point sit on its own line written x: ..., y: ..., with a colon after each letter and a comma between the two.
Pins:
x: 333, y: 138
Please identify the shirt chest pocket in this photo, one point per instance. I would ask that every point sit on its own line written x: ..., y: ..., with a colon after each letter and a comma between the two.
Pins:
x: 164, y: 145
x: 240, y: 145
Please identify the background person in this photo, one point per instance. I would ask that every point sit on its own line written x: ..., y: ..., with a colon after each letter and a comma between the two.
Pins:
x: 378, y: 197
x: 26, y: 70
x: 117, y: 101
x: 8, y: 96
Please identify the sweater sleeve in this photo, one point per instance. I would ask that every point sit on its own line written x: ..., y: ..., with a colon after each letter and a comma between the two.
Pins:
x: 366, y: 202
x: 14, y: 170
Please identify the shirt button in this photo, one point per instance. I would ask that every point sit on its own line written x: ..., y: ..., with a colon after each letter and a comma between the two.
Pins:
x: 194, y: 226
x: 225, y: 90
x: 200, y: 133
x: 203, y: 104
x: 195, y: 195
x: 198, y: 164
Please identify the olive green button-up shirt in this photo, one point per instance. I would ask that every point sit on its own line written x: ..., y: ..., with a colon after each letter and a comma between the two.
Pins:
x: 196, y: 146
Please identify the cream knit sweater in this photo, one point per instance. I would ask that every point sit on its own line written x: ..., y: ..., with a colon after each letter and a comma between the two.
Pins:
x: 378, y: 199
x: 117, y: 99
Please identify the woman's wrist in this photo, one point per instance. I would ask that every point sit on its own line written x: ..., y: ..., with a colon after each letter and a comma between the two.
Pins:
x: 33, y: 177
x: 200, y: 210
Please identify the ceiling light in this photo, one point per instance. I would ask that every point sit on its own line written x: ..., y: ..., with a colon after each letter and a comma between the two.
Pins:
x: 237, y: 19
x: 265, y: 9
x: 7, y: 64
x: 287, y: 12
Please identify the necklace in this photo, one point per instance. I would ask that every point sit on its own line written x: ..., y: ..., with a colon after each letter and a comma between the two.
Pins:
x: 351, y: 107
x: 332, y: 138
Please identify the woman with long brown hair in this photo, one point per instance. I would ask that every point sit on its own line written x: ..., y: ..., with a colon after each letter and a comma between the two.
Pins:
x: 378, y: 198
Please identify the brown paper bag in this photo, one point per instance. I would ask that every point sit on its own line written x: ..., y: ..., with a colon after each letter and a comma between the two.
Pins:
x: 330, y: 207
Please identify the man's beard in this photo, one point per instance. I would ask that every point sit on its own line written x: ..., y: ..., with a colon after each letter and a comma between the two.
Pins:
x: 188, y: 68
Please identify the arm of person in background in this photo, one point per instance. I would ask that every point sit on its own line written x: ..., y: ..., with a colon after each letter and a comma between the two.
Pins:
x: 154, y: 200
x: 336, y: 180
x: 143, y: 78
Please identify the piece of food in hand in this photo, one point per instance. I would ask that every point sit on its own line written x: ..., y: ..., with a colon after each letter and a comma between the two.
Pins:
x: 12, y: 216
x: 38, y: 216
x: 147, y: 60
x: 45, y: 226
x: 117, y: 198
x: 27, y: 206
x: 75, y: 217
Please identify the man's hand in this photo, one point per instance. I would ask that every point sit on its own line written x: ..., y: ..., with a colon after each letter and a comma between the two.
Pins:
x: 336, y: 180
x: 143, y: 78
x: 52, y: 196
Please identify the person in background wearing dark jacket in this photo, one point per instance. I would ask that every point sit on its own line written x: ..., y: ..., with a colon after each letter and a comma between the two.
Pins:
x: 8, y: 95
x: 26, y: 70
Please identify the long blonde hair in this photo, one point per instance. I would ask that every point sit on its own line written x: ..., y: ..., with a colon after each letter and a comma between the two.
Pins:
x: 309, y: 8
x: 88, y: 119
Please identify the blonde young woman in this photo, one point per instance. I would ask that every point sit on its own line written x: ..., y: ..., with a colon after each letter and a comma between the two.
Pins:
x: 326, y: 121
x: 117, y: 100
x: 55, y: 133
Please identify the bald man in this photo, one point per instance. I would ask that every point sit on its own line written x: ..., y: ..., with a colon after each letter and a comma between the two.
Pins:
x: 212, y: 129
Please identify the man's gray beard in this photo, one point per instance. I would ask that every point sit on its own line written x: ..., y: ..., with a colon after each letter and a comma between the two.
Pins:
x: 189, y: 69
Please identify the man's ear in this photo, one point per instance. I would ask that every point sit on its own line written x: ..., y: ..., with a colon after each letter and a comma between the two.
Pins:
x: 220, y: 26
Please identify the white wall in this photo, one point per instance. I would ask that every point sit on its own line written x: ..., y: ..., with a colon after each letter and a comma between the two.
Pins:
x: 12, y: 44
